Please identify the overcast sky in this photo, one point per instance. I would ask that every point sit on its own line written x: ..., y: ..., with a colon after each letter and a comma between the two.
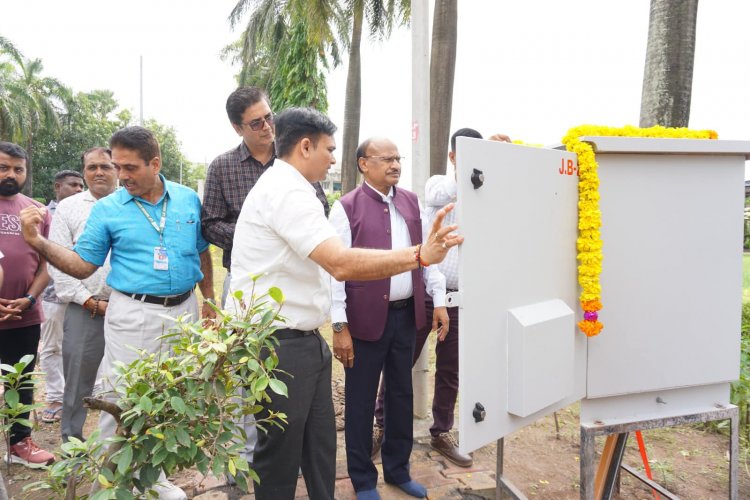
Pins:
x: 528, y: 69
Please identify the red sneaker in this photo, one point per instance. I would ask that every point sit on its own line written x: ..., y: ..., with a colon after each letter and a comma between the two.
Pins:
x: 27, y: 453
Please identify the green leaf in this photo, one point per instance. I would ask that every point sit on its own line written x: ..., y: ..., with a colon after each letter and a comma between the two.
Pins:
x: 145, y: 404
x: 179, y: 405
x: 124, y: 460
x: 183, y: 437
x: 149, y: 475
x: 260, y: 384
x: 11, y: 397
x: 278, y: 387
x: 276, y: 294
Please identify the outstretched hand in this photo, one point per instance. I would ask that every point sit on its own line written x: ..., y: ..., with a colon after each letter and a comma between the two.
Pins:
x: 440, y: 240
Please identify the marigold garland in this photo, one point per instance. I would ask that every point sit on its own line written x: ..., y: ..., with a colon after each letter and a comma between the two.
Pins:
x: 589, y: 243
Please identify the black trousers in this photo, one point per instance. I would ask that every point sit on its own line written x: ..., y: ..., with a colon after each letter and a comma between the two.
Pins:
x: 15, y: 344
x: 309, y: 439
x: 391, y: 355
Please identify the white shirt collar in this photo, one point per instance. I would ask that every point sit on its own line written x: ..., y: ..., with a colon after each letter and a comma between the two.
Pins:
x: 386, y: 198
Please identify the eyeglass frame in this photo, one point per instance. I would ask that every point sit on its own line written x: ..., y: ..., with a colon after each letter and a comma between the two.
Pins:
x: 260, y: 122
x: 386, y: 159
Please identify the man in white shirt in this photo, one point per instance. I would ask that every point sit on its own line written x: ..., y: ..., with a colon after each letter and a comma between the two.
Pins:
x: 283, y: 236
x: 381, y: 333
x: 87, y: 300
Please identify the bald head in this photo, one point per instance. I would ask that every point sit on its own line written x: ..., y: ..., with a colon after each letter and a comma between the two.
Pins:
x: 380, y: 163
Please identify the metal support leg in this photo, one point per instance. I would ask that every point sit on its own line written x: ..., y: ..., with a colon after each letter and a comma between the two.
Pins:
x: 588, y: 467
x: 734, y: 453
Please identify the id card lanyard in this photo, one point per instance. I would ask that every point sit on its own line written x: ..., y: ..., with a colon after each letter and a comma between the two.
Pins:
x: 161, y: 259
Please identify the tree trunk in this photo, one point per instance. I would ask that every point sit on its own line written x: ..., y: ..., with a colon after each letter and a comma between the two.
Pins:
x: 28, y: 188
x: 353, y: 105
x: 442, y: 70
x: 668, y: 76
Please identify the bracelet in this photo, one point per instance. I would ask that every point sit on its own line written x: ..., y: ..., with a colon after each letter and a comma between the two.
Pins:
x: 31, y: 299
x: 418, y: 257
x: 96, y: 307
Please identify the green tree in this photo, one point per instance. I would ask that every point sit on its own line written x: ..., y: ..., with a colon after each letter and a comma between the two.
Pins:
x: 442, y: 72
x: 668, y: 75
x: 91, y: 119
x: 36, y: 102
x: 285, y: 47
x: 12, y: 115
x: 381, y: 16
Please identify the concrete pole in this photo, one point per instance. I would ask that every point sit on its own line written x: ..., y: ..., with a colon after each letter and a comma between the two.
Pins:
x: 420, y: 136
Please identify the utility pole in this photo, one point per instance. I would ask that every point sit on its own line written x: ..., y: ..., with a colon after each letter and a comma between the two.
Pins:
x: 420, y: 149
x: 141, y: 91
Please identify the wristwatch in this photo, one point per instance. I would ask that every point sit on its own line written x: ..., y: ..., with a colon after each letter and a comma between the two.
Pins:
x: 338, y: 327
x: 31, y: 299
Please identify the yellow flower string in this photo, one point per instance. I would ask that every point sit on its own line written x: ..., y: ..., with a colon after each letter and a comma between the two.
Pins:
x: 589, y: 241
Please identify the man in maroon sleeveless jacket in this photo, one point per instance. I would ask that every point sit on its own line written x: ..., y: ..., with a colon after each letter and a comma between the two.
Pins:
x: 377, y: 320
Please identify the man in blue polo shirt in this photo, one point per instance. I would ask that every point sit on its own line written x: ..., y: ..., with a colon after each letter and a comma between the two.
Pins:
x: 152, y: 231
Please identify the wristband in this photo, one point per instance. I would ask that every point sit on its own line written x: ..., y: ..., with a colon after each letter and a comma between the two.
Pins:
x: 31, y: 299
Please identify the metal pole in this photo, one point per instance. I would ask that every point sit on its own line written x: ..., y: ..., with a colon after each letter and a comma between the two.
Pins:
x: 420, y: 149
x: 141, y: 97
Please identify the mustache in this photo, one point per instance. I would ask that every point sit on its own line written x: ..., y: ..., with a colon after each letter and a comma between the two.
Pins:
x: 8, y: 182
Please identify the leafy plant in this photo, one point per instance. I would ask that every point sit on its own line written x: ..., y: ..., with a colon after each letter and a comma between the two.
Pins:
x: 741, y: 388
x: 15, y: 380
x: 179, y: 409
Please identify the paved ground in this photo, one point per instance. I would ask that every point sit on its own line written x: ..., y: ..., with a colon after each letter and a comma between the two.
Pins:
x: 442, y: 479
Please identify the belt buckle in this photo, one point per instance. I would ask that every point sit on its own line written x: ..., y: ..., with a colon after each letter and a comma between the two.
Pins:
x: 166, y: 302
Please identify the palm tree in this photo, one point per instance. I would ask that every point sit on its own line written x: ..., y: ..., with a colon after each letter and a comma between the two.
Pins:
x: 668, y: 76
x: 276, y: 28
x: 12, y: 117
x: 381, y: 16
x: 442, y: 71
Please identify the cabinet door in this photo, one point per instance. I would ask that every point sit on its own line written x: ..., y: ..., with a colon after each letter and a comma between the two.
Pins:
x: 520, y: 354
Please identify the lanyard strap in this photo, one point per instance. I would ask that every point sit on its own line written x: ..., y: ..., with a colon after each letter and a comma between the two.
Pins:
x: 162, y: 221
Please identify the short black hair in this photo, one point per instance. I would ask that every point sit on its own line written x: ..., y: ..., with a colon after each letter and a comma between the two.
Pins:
x: 464, y: 132
x: 62, y: 174
x: 96, y: 149
x: 241, y: 99
x: 294, y: 124
x: 138, y: 139
x: 14, y: 150
x: 362, y: 151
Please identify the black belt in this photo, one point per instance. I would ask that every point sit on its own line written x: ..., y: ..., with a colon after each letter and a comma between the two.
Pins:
x: 290, y: 333
x: 163, y: 301
x: 451, y: 290
x: 400, y: 304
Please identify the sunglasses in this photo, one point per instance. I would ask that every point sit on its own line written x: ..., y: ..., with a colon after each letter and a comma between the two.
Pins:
x: 259, y: 123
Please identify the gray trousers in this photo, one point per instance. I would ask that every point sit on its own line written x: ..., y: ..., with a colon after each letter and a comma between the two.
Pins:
x: 82, y: 351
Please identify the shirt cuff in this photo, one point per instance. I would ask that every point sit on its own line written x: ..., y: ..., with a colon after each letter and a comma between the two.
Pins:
x: 338, y: 315
x: 82, y: 296
x: 438, y: 300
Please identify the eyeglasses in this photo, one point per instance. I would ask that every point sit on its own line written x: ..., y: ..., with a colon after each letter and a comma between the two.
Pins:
x: 258, y: 123
x: 387, y: 159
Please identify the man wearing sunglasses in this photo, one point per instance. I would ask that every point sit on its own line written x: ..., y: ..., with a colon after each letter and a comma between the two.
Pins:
x: 231, y: 176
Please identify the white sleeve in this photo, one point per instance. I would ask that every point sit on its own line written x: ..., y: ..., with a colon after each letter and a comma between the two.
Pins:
x: 297, y: 216
x: 434, y: 280
x: 439, y: 190
x: 340, y: 223
x: 67, y: 288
